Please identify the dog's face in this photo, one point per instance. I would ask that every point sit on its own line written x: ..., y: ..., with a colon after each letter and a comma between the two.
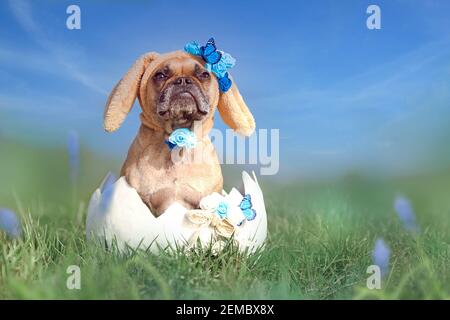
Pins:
x: 175, y: 90
x: 180, y: 91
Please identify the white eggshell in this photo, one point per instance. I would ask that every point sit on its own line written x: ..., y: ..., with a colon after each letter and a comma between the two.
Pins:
x: 117, y: 214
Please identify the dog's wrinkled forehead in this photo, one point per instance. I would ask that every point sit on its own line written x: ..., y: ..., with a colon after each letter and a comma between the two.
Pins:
x: 179, y: 66
x: 176, y: 63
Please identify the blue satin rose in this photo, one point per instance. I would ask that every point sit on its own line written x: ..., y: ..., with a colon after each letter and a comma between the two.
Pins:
x: 183, y: 138
x: 222, y: 210
x: 193, y: 48
x: 224, y: 83
x: 221, y: 67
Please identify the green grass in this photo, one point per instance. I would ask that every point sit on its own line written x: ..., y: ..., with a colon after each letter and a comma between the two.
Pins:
x: 321, y: 236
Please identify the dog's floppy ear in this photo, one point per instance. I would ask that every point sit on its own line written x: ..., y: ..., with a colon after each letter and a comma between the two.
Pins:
x: 122, y: 97
x: 235, y: 112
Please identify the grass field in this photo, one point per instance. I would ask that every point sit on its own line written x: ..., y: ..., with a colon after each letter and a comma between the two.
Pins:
x: 321, y: 237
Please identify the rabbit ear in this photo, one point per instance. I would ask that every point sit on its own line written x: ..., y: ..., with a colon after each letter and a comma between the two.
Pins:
x: 122, y: 97
x: 235, y: 112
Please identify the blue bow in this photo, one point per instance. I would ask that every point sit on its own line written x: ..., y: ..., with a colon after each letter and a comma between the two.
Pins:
x: 182, y: 138
x: 217, y: 62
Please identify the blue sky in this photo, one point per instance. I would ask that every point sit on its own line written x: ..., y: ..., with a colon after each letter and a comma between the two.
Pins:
x: 342, y: 96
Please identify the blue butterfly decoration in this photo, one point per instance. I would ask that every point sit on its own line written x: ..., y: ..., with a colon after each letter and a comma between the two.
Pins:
x: 246, y: 207
x: 210, y: 53
x: 217, y: 62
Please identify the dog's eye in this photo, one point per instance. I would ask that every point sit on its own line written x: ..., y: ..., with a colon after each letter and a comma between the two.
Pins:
x: 159, y: 76
x: 204, y: 75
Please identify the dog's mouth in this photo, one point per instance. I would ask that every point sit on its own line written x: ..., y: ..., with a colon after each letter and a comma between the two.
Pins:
x: 183, y: 105
x: 181, y: 109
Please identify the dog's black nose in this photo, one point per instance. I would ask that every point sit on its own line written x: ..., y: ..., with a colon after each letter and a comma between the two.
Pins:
x: 182, y: 81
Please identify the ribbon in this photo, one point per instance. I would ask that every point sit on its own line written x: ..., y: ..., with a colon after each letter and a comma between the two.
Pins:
x: 208, y: 218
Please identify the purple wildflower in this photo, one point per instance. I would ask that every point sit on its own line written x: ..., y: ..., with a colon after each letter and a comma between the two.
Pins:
x: 405, y: 212
x: 381, y: 254
x: 107, y: 190
x: 109, y: 180
x: 9, y: 223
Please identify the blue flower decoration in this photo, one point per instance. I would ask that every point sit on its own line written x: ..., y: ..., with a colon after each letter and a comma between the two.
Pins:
x: 217, y: 62
x: 246, y: 207
x: 182, y: 138
x: 220, y: 68
x: 193, y: 48
x: 222, y: 210
x: 224, y: 83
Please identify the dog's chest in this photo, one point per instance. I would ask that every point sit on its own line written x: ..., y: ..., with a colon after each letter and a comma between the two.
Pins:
x: 198, y: 168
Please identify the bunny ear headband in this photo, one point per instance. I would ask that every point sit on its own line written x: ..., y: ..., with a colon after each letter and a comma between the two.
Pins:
x: 232, y: 107
x: 217, y: 62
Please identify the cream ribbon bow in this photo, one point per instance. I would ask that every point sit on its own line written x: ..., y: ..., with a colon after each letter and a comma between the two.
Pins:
x: 209, y: 218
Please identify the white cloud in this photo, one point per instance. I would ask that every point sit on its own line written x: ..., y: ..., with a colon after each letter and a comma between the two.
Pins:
x: 57, y: 59
x: 23, y: 14
x: 385, y: 80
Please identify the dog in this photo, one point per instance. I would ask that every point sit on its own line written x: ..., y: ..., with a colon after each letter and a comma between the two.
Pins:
x: 174, y: 90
